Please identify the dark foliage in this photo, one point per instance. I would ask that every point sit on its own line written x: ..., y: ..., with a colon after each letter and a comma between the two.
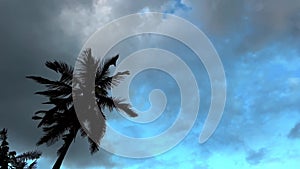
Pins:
x: 60, y: 122
x: 10, y: 159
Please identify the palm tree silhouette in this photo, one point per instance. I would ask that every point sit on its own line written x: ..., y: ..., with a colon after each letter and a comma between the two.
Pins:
x: 61, y: 122
x: 10, y: 159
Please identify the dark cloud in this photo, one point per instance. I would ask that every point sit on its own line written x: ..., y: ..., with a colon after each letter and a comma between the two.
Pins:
x: 255, y: 157
x: 33, y: 32
x: 29, y: 37
x: 295, y: 132
x: 250, y: 24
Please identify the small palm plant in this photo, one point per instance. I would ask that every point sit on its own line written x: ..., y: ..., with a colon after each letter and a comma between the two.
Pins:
x: 61, y: 122
x: 10, y: 159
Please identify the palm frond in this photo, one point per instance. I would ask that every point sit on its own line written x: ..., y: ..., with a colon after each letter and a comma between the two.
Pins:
x: 49, y: 117
x: 65, y: 70
x: 33, y: 165
x: 117, y: 78
x: 88, y: 64
x: 52, y: 134
x: 60, y: 103
x: 105, y: 102
x: 82, y: 132
x: 61, y: 92
x: 41, y: 80
x: 125, y: 107
x: 94, y: 147
x: 31, y: 155
x: 49, y: 83
x: 104, y: 66
x: 71, y: 135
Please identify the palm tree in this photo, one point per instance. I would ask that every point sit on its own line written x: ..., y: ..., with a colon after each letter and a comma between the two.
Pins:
x: 60, y: 122
x: 10, y: 159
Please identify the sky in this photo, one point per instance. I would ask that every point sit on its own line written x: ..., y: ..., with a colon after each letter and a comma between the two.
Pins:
x: 257, y: 41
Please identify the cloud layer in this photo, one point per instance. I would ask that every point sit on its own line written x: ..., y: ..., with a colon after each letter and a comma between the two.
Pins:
x: 258, y: 42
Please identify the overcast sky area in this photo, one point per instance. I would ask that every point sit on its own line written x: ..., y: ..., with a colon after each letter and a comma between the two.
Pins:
x: 258, y: 42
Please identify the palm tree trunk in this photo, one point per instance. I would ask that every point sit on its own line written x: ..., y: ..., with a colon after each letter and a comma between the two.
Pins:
x: 62, y: 155
x: 63, y: 152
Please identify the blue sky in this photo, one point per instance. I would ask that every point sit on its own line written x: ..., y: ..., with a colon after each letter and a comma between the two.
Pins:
x: 257, y: 41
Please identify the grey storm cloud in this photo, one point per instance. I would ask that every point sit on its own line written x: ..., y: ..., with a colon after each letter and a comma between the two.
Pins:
x: 35, y: 31
x: 32, y: 32
x: 29, y: 37
x: 261, y: 21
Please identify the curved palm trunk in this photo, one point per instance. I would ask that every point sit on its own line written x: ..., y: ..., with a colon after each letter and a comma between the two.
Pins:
x: 62, y: 155
x: 63, y: 152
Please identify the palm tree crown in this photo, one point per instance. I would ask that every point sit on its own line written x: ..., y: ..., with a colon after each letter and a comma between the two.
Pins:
x: 60, y: 122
